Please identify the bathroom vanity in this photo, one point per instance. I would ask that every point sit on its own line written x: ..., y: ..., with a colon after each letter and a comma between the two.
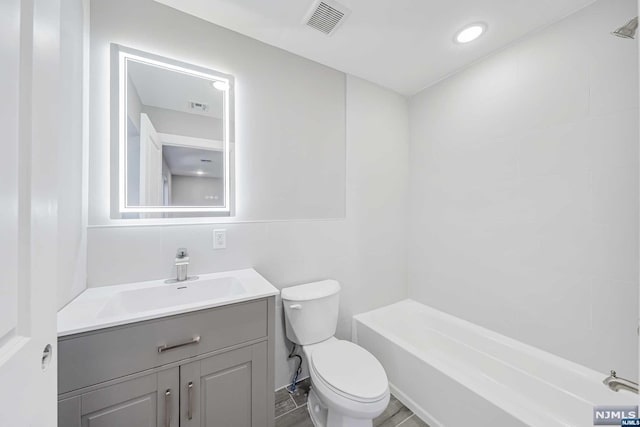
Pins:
x: 198, y: 363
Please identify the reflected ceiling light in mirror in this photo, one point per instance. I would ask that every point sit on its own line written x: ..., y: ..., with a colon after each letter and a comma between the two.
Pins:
x: 220, y: 85
x: 470, y: 32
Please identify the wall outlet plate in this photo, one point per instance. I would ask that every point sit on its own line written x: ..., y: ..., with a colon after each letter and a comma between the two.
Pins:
x: 219, y: 239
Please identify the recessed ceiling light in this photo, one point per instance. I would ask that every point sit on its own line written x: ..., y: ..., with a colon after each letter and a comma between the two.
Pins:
x: 220, y: 85
x: 470, y: 32
x: 199, y: 172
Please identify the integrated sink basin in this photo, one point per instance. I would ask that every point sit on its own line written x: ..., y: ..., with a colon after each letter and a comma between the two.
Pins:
x: 176, y: 294
x: 107, y: 306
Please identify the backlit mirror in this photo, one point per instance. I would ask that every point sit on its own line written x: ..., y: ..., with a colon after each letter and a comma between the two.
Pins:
x: 174, y: 137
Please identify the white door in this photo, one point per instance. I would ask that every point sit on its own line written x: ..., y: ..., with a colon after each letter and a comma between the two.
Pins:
x: 29, y: 84
x: 150, y: 164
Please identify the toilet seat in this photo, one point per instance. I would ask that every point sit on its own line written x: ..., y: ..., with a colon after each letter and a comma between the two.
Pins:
x: 349, y: 371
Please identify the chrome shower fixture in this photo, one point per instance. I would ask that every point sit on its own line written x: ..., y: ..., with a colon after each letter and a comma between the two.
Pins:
x: 628, y: 30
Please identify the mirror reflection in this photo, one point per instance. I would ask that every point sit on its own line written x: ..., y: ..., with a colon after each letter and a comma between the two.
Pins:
x: 176, y: 137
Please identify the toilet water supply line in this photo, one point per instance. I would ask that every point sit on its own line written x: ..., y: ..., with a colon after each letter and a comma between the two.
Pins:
x: 292, y: 387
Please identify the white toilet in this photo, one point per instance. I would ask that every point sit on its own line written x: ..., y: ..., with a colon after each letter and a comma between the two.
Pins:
x: 349, y: 387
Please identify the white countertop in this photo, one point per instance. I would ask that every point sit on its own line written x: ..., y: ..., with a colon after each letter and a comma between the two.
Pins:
x: 107, y: 306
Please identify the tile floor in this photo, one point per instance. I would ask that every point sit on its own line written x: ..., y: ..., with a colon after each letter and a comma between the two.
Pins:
x: 291, y: 411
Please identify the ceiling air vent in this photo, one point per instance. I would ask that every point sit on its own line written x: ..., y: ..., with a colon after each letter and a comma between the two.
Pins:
x: 326, y: 16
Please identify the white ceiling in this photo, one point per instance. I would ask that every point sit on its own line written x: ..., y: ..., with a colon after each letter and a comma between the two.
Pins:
x: 405, y: 45
x: 171, y: 90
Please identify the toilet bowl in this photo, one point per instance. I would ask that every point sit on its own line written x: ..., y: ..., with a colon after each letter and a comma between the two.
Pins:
x: 349, y: 387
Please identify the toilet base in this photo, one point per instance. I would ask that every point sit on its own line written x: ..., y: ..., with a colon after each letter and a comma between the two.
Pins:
x: 317, y: 411
x: 321, y: 416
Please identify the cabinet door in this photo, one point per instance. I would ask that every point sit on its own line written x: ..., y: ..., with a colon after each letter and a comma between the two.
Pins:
x: 147, y: 401
x: 227, y: 390
x: 69, y: 412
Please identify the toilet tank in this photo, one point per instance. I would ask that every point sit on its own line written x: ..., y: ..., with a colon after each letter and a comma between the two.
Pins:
x: 311, y: 311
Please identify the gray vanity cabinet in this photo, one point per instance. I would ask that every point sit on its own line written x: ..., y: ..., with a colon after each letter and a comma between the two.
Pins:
x: 225, y: 379
x: 147, y: 401
x: 225, y: 390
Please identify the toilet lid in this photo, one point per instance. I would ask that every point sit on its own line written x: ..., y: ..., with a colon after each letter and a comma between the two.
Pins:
x: 350, y: 370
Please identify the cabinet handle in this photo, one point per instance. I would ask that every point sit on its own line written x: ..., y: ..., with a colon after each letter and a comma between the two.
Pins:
x: 165, y: 347
x: 167, y: 408
x: 190, y: 400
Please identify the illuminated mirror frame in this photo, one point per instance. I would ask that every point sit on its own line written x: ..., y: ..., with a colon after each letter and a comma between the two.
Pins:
x: 119, y: 57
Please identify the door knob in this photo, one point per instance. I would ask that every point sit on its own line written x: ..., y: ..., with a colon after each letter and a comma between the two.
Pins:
x: 46, y: 356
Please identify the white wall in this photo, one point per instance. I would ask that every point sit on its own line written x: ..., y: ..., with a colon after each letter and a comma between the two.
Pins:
x: 71, y: 254
x: 290, y: 119
x: 524, y: 191
x: 196, y: 191
x: 134, y: 105
x: 523, y: 184
x: 282, y: 121
x: 185, y: 124
x: 366, y: 252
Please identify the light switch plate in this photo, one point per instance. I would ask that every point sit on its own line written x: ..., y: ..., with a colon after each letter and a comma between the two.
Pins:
x: 219, y: 239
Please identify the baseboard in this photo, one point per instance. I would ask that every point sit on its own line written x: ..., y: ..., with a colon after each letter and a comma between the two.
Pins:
x: 415, y: 408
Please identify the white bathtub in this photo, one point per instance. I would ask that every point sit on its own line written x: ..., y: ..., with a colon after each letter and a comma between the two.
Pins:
x: 454, y: 373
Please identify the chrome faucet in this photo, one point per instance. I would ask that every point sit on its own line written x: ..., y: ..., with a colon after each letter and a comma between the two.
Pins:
x: 182, y: 264
x: 615, y: 383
